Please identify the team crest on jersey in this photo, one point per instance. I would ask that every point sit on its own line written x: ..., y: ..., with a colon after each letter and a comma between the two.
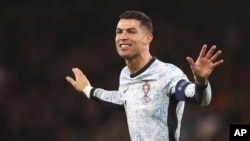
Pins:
x: 146, y: 89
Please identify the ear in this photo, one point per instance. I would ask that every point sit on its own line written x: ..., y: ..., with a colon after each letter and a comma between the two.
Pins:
x: 149, y: 38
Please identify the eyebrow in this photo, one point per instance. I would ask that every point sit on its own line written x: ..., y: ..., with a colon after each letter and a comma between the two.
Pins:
x: 132, y: 28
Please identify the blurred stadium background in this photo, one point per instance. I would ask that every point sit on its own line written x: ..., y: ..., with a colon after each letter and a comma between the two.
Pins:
x: 41, y: 40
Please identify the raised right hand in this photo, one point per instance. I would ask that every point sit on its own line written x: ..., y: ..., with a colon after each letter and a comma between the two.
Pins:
x: 80, y: 81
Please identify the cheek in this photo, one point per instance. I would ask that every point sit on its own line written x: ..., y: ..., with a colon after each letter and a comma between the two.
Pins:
x: 116, y: 39
x: 144, y: 41
x: 116, y: 42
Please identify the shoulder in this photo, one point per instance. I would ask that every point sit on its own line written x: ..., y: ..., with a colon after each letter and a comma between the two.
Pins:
x: 163, y: 66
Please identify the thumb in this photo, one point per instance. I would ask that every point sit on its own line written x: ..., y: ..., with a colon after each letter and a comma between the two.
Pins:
x: 70, y: 80
x: 190, y: 61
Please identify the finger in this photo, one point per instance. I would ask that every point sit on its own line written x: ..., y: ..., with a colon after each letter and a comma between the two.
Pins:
x: 78, y: 72
x: 210, y: 51
x: 218, y: 63
x: 80, y: 76
x: 203, y: 50
x: 70, y: 80
x: 216, y: 55
x: 190, y: 61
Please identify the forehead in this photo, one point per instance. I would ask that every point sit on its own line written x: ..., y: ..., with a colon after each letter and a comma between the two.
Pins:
x: 128, y: 23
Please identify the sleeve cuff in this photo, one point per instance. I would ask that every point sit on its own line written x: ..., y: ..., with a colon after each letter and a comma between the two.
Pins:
x: 87, y: 91
x: 201, y: 87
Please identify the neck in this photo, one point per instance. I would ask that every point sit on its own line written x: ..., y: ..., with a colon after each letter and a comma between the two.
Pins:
x: 137, y: 63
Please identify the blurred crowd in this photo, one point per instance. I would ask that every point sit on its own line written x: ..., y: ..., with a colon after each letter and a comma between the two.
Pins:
x: 40, y: 41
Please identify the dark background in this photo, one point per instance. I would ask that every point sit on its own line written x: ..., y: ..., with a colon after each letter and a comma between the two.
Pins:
x: 41, y: 40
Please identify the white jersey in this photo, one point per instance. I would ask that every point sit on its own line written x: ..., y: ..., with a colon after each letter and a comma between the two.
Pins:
x: 153, y: 110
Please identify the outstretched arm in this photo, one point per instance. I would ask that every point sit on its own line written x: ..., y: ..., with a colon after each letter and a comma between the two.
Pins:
x: 205, y: 64
x: 200, y: 92
x: 82, y: 84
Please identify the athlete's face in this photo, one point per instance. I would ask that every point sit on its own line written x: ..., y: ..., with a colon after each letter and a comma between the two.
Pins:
x: 131, y: 39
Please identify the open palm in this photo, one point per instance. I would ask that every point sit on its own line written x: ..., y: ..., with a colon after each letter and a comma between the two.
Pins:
x: 205, y: 64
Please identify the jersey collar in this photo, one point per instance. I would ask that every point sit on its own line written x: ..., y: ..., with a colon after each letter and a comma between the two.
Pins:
x: 143, y: 69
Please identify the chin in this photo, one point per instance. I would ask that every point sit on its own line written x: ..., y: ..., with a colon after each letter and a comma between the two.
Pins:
x: 126, y: 56
x: 123, y: 56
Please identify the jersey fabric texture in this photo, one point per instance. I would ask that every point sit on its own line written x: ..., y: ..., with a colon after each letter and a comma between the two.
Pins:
x: 153, y: 109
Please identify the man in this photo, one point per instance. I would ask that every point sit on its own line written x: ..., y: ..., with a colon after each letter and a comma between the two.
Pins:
x: 151, y: 92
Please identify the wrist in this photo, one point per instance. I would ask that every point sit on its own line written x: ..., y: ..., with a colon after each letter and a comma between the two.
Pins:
x: 200, y: 81
x: 201, y: 87
x: 86, y: 90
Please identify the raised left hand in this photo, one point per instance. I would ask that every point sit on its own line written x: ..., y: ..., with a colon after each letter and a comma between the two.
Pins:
x: 205, y: 64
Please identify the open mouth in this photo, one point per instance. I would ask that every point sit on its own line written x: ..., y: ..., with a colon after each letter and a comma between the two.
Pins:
x: 124, y: 46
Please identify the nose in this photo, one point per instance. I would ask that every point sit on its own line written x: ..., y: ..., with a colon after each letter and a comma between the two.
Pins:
x: 123, y: 35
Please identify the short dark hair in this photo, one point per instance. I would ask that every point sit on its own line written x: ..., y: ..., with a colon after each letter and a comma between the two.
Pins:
x: 140, y: 16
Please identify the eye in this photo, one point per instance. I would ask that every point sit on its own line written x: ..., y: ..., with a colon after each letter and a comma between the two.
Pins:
x: 131, y: 31
x: 118, y: 31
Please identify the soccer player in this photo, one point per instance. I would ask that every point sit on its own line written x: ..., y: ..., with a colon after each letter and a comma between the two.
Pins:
x: 151, y: 92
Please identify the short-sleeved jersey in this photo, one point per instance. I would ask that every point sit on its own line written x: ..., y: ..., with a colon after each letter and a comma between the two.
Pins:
x: 148, y: 98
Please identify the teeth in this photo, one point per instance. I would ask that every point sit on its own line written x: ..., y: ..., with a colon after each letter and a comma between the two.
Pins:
x: 123, y: 46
